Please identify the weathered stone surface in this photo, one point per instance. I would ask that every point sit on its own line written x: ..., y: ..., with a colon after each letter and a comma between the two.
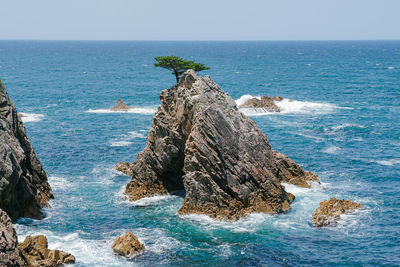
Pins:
x: 24, y: 189
x: 266, y: 103
x: 36, y: 253
x: 9, y: 252
x: 290, y: 172
x: 127, y: 245
x: 121, y: 106
x: 329, y: 211
x: 200, y: 143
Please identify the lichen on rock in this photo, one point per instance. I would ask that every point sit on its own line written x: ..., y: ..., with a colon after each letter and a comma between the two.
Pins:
x: 127, y: 245
x: 329, y: 211
x: 200, y: 143
x: 24, y: 189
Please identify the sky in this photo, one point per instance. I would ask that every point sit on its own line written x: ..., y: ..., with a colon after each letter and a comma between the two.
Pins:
x: 200, y: 20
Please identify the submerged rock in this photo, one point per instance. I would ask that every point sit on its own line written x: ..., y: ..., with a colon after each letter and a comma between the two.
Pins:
x: 24, y: 189
x: 36, y: 253
x: 127, y: 245
x: 121, y: 106
x: 266, y: 103
x: 9, y: 252
x: 200, y: 143
x: 329, y: 211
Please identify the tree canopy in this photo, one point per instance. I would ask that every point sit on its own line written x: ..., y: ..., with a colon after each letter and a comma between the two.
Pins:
x: 178, y: 65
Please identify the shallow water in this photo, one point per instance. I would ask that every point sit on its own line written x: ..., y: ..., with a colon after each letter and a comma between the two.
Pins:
x: 343, y: 125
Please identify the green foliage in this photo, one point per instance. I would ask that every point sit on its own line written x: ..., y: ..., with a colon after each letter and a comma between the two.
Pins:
x: 178, y: 65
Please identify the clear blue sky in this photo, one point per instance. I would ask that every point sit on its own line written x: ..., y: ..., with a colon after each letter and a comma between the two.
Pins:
x: 200, y: 20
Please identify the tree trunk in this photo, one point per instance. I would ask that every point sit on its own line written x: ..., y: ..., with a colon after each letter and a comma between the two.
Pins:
x: 177, y: 77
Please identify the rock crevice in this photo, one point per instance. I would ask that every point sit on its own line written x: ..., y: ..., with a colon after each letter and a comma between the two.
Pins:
x: 201, y: 143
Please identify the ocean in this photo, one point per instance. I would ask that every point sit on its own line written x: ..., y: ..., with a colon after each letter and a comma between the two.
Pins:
x: 343, y: 124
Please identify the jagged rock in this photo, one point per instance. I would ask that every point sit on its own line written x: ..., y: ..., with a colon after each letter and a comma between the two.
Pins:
x: 9, y: 252
x: 24, y: 189
x: 290, y: 172
x: 200, y: 143
x: 36, y: 253
x: 329, y: 211
x: 266, y: 103
x: 121, y: 106
x: 127, y: 245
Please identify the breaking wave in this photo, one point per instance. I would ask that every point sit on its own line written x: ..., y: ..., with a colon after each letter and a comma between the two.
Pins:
x: 288, y: 106
x: 31, y: 117
x: 389, y: 162
x: 126, y: 140
x: 136, y: 110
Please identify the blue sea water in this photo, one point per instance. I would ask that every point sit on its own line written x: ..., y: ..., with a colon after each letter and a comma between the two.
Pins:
x: 344, y: 125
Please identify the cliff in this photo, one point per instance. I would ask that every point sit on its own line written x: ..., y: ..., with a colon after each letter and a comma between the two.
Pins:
x: 24, y: 189
x: 200, y: 143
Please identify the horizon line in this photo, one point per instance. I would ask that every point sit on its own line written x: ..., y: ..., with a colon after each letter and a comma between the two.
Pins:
x: 196, y: 40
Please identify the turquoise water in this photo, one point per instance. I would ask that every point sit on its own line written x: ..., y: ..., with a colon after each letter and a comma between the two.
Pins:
x: 344, y: 126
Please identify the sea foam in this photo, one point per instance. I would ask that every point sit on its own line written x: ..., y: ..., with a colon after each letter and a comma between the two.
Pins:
x: 31, y: 117
x: 288, y: 106
x: 135, y: 110
x: 389, y: 162
x: 126, y: 140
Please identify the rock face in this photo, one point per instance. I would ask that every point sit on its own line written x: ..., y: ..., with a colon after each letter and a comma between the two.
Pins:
x: 127, y: 245
x: 24, y: 189
x: 9, y: 252
x: 35, y: 251
x: 290, y: 172
x: 266, y: 103
x: 329, y: 211
x: 121, y: 106
x: 200, y: 143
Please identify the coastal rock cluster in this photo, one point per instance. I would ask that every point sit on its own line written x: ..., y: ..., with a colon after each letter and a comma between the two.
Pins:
x: 24, y: 189
x: 36, y: 253
x: 266, y: 103
x: 200, y: 143
x: 329, y: 211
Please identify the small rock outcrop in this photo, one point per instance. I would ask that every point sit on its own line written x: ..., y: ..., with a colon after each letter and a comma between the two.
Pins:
x: 266, y: 103
x: 200, y: 143
x: 121, y: 106
x: 9, y: 252
x: 36, y: 253
x: 290, y: 172
x: 127, y: 245
x: 24, y: 189
x: 329, y: 211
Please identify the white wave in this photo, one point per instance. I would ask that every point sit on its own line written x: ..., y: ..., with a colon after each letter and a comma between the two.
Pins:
x: 294, y: 106
x: 135, y: 110
x: 31, y: 117
x: 58, y: 182
x: 390, y: 68
x: 120, y: 143
x: 389, y: 162
x: 347, y: 125
x: 88, y: 252
x: 288, y: 106
x: 331, y: 150
x: 154, y: 200
x: 126, y: 139
x: 244, y: 98
x: 250, y: 223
